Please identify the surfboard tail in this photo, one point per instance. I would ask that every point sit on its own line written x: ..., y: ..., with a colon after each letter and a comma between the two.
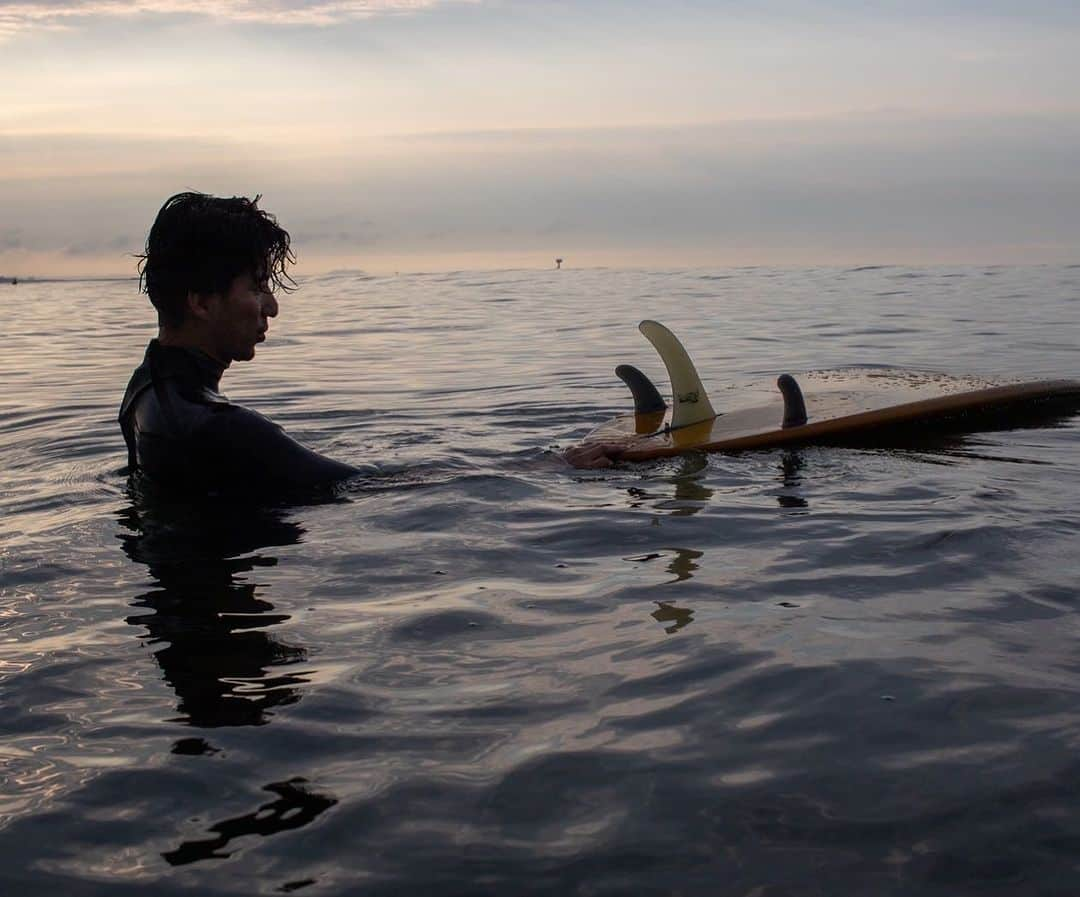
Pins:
x: 690, y: 402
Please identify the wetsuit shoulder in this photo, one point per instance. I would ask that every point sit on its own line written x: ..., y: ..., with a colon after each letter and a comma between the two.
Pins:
x: 243, y: 449
x: 181, y: 431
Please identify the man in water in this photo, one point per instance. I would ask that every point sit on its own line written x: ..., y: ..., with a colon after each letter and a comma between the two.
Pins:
x: 210, y: 268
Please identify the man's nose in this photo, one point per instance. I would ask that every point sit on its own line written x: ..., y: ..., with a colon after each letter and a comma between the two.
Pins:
x: 270, y: 307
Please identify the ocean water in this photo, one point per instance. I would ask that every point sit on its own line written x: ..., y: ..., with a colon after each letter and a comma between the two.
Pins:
x: 820, y: 671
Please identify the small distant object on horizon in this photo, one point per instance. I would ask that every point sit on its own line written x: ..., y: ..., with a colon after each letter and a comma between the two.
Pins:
x: 558, y: 264
x: 14, y: 281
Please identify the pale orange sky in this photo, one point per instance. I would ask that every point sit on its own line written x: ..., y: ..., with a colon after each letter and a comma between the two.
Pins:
x: 399, y: 135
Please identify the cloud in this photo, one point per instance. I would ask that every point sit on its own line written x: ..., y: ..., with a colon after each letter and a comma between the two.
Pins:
x: 101, y: 245
x: 49, y: 14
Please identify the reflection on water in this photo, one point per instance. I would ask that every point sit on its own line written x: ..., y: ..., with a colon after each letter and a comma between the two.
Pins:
x: 681, y: 566
x: 296, y: 805
x: 689, y: 495
x: 791, y: 464
x: 208, y: 619
x: 667, y: 612
x: 211, y: 625
x: 532, y: 681
x: 684, y: 564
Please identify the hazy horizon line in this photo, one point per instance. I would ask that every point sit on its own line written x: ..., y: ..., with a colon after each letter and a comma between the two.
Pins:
x: 842, y: 267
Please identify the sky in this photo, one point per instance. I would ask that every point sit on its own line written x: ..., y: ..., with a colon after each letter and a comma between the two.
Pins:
x: 441, y: 134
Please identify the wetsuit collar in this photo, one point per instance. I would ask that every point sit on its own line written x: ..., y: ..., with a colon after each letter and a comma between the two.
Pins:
x: 185, y: 364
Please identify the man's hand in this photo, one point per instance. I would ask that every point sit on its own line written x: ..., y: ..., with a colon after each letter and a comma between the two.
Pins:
x: 594, y: 454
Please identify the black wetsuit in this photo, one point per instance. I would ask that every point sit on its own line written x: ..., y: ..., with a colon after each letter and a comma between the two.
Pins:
x: 181, y: 431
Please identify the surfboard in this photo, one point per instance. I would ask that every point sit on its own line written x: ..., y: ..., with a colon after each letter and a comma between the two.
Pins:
x: 845, y: 407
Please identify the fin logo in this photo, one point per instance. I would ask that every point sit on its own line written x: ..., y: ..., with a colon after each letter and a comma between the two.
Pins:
x: 690, y: 398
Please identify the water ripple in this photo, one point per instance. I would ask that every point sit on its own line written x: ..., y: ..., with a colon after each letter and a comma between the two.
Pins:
x: 480, y: 671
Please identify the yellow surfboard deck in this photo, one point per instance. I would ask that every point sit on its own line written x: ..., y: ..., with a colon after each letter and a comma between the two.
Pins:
x: 848, y: 407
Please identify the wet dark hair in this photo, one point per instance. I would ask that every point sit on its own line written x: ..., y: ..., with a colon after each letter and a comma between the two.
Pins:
x: 200, y: 244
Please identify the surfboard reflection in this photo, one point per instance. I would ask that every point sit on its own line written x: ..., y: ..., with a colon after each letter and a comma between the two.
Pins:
x: 683, y: 565
x: 690, y: 494
x: 791, y: 464
x: 205, y: 619
x: 678, y: 617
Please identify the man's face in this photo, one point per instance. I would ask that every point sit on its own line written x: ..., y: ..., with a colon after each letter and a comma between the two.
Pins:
x: 240, y: 318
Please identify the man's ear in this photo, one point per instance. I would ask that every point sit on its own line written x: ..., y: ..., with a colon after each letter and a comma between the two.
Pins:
x: 202, y: 306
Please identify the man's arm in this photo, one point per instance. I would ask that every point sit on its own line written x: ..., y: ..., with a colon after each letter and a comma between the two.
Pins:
x: 243, y: 449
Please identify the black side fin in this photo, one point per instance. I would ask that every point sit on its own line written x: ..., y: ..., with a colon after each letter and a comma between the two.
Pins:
x: 647, y: 399
x: 794, y: 404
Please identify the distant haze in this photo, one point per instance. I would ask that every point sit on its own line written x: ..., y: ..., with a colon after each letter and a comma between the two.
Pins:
x: 424, y: 134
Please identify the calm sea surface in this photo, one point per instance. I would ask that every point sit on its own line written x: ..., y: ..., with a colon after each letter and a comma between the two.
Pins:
x: 815, y: 672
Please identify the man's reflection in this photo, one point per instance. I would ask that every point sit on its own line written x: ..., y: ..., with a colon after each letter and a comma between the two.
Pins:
x: 295, y: 806
x: 204, y: 613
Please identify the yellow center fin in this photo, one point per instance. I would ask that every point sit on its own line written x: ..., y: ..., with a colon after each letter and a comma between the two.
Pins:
x: 690, y: 403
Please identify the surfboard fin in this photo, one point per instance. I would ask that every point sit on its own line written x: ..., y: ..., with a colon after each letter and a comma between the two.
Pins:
x: 690, y: 402
x: 647, y: 398
x: 794, y: 404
